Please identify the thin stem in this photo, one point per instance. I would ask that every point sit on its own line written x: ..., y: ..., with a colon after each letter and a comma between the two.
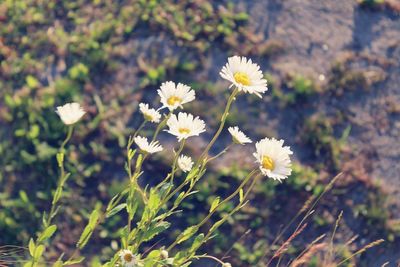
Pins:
x: 133, y: 187
x: 182, y: 144
x: 248, y: 177
x: 61, y: 181
x: 221, y: 126
x: 234, y: 210
x: 220, y: 153
x: 178, y: 189
x: 160, y: 126
x: 331, y: 248
x: 140, y: 128
x: 69, y: 135
x: 308, y: 213
x: 210, y: 257
x: 368, y: 246
x: 62, y: 175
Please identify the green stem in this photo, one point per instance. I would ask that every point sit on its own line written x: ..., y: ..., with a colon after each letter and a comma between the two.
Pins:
x: 160, y: 126
x: 221, y: 126
x: 220, y: 153
x: 57, y: 194
x: 248, y: 177
x: 210, y: 257
x: 69, y: 135
x: 182, y: 144
x: 140, y: 128
x: 61, y: 178
x: 234, y: 210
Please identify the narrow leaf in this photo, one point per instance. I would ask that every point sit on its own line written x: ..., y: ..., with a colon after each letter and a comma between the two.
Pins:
x: 116, y: 210
x: 31, y: 247
x: 74, y: 261
x: 214, y: 204
x: 47, y: 233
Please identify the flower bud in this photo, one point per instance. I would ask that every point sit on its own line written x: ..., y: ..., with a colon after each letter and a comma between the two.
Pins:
x: 164, y: 254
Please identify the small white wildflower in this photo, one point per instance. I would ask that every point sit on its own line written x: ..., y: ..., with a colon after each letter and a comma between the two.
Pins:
x: 174, y: 96
x: 149, y: 114
x: 273, y: 158
x: 144, y: 145
x: 238, y: 136
x: 185, y: 125
x: 70, y: 113
x: 226, y: 264
x: 127, y: 258
x: 245, y: 75
x: 185, y: 163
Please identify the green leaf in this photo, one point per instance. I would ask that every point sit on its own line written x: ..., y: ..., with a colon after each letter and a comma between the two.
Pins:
x: 179, y: 199
x: 60, y: 159
x: 47, y: 233
x: 197, y: 242
x: 93, y: 219
x: 115, y: 210
x: 139, y: 161
x: 32, y: 82
x: 59, y: 262
x: 131, y: 153
x: 189, y: 232
x: 186, y: 264
x: 39, y: 251
x: 214, y: 204
x: 33, y: 132
x: 216, y: 225
x: 152, y: 258
x: 192, y: 174
x: 74, y: 261
x: 112, y: 202
x: 65, y: 178
x: 57, y: 195
x: 155, y: 230
x: 31, y: 247
x: 154, y: 200
x: 23, y: 196
x: 84, y: 238
x: 131, y: 208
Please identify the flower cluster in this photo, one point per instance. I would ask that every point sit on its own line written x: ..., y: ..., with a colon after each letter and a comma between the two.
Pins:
x: 245, y: 76
x: 271, y: 156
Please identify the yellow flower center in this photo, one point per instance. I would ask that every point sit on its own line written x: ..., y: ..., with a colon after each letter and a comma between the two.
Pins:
x: 267, y: 163
x: 242, y: 78
x: 173, y: 100
x: 128, y: 257
x: 148, y: 117
x: 184, y: 130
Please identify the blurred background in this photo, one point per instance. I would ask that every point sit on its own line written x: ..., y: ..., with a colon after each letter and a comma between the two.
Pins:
x: 333, y: 69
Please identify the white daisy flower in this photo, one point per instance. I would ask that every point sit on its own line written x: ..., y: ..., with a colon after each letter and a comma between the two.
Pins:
x: 149, y: 114
x: 144, y: 145
x: 127, y: 258
x: 185, y: 125
x: 273, y: 158
x: 238, y: 136
x: 185, y: 163
x: 245, y: 75
x: 174, y: 96
x: 70, y: 113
